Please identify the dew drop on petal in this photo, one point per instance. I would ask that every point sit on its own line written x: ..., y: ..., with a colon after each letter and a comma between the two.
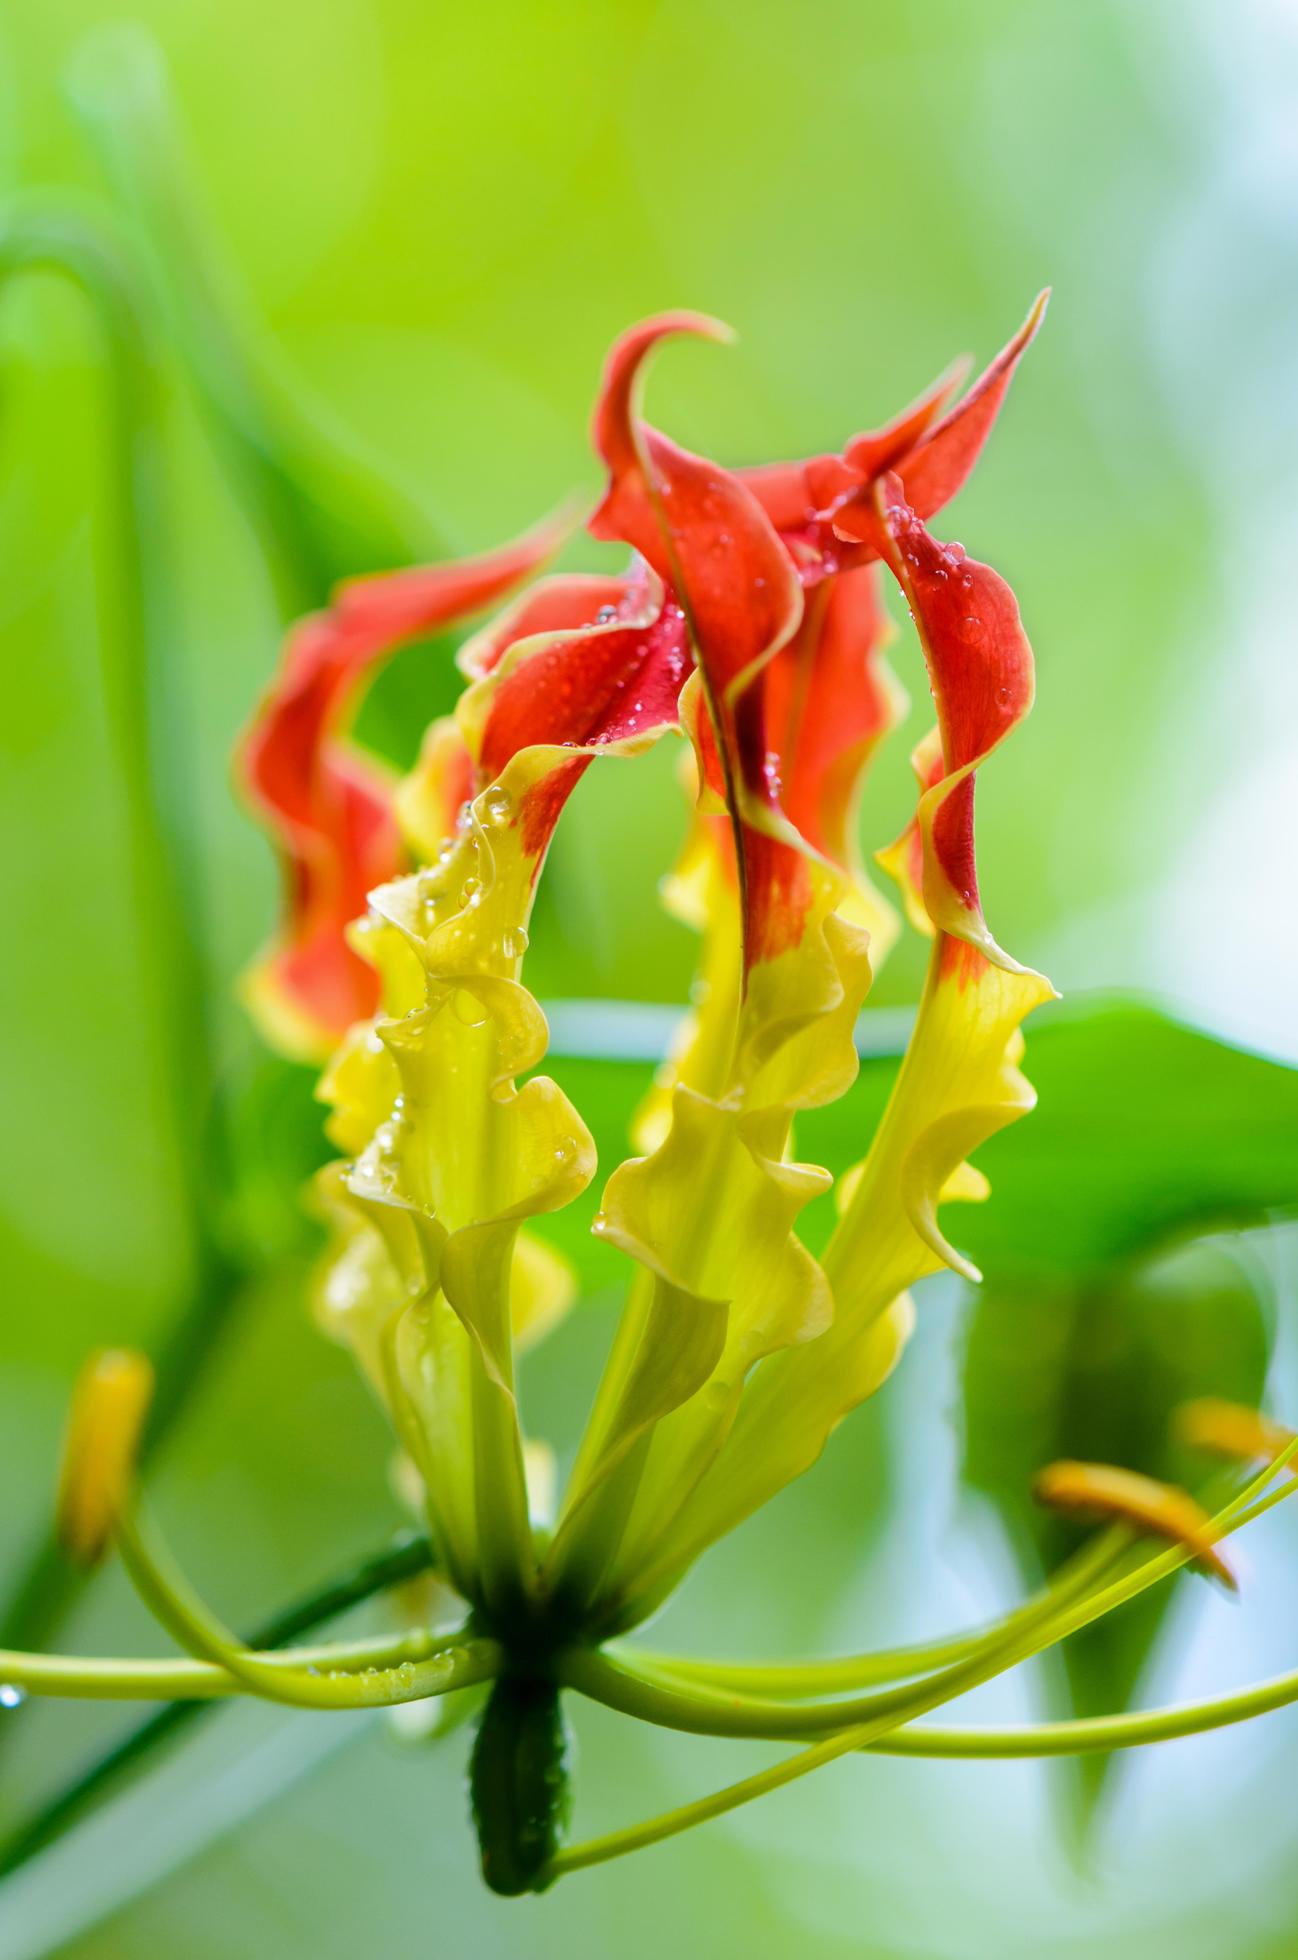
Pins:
x: 468, y: 1008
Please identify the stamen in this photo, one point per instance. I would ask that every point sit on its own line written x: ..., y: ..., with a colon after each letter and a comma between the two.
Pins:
x: 1230, y: 1429
x: 109, y: 1404
x: 1102, y: 1491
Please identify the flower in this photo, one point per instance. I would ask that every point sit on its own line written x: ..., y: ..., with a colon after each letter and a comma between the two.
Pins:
x: 749, y: 620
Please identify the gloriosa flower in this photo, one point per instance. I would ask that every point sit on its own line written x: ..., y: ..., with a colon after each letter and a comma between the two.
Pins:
x: 750, y: 620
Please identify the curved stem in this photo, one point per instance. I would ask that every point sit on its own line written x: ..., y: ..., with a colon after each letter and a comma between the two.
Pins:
x: 1090, y: 1734
x: 167, y: 1593
x: 98, y: 1679
x: 397, y: 1564
x: 895, y: 1709
x: 798, y: 1680
x: 87, y: 1678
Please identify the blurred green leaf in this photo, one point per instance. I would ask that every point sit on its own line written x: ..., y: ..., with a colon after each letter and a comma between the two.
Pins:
x: 1095, y: 1371
x: 321, y: 511
x: 1090, y: 1330
x: 272, y: 1139
x: 1145, y: 1130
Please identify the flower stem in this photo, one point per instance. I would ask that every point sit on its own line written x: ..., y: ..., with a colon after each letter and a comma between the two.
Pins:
x: 167, y: 1593
x: 799, y: 1680
x: 895, y: 1709
x: 406, y: 1559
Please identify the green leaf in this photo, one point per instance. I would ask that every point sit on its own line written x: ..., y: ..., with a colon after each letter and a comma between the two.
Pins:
x: 1145, y: 1131
x: 1095, y: 1371
x: 1091, y: 1328
x: 321, y: 511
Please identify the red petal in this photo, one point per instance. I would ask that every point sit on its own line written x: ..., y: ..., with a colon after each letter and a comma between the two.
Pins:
x: 328, y: 810
x: 943, y: 461
x: 390, y: 607
x: 608, y: 684
x: 792, y: 493
x: 710, y: 541
x: 313, y: 965
x: 933, y: 458
x: 883, y: 449
x: 980, y: 670
x: 553, y: 606
x: 828, y: 706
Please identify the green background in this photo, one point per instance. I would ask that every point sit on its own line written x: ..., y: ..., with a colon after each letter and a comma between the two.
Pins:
x: 441, y: 216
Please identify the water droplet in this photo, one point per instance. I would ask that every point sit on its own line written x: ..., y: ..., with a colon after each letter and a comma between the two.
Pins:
x: 468, y: 1008
x: 11, y: 1695
x: 498, y: 804
x: 514, y: 944
x: 469, y: 890
x: 605, y: 614
x: 971, y: 626
x: 1003, y: 697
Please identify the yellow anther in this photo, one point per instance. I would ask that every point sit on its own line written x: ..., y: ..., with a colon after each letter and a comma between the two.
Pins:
x: 1230, y: 1429
x: 109, y: 1404
x: 1102, y: 1492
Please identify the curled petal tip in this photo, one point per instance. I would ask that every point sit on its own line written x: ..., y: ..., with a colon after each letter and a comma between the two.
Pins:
x: 615, y: 410
x: 679, y: 320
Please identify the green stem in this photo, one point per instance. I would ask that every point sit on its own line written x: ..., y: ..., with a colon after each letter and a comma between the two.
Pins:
x: 83, y: 1678
x: 505, y: 1555
x: 1091, y: 1734
x: 798, y: 1680
x: 167, y: 1593
x: 407, y: 1559
x: 894, y: 1711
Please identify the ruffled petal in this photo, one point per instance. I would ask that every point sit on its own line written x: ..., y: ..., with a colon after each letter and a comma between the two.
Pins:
x: 330, y: 810
x: 959, y: 1081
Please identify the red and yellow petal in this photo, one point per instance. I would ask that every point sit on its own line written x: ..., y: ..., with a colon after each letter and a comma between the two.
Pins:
x: 329, y: 811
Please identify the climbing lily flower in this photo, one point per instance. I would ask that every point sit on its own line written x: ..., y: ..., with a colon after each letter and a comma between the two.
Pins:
x: 745, y: 615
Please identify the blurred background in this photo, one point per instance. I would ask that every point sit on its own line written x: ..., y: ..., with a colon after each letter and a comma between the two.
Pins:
x: 427, y: 223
